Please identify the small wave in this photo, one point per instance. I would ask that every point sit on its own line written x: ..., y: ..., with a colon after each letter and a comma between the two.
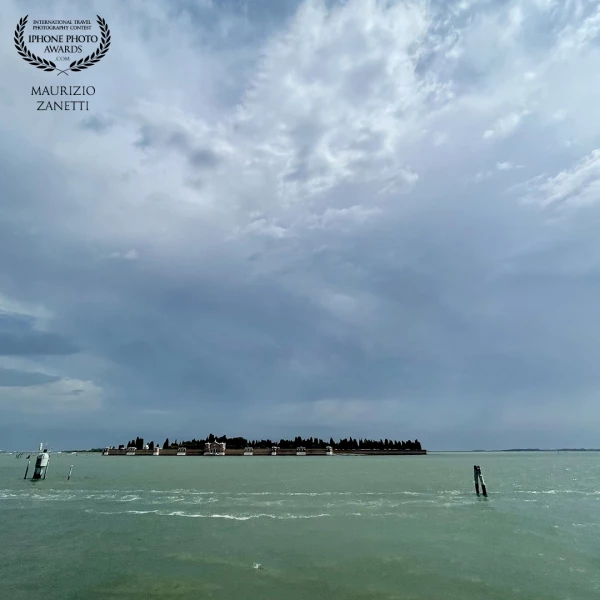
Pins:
x: 140, y: 512
x: 249, y: 517
x: 455, y: 503
x: 121, y: 512
x: 9, y: 496
x: 100, y: 496
x: 391, y: 493
x: 552, y: 492
x: 51, y: 497
x: 243, y: 517
x: 182, y: 491
x: 104, y: 512
x: 189, y: 492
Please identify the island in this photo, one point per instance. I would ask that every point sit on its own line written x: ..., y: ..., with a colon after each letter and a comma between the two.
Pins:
x: 240, y: 446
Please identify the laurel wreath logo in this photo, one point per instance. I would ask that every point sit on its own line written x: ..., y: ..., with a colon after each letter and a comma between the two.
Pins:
x: 75, y: 66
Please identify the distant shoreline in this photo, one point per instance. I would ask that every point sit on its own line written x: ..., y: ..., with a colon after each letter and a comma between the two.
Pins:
x: 312, y: 451
x: 280, y: 452
x: 516, y: 450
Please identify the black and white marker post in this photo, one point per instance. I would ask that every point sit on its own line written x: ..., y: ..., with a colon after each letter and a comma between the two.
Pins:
x: 479, y: 478
x: 41, y: 464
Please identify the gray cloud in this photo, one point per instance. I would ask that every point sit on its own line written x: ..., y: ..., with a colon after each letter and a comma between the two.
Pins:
x: 34, y: 344
x: 203, y: 157
x: 18, y: 337
x: 16, y: 378
x: 148, y: 137
x: 96, y: 123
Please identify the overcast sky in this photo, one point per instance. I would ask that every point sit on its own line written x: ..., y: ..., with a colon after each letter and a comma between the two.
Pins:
x: 285, y: 218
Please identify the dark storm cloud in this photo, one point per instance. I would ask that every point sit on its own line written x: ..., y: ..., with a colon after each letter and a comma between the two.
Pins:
x: 19, y: 338
x: 203, y: 157
x: 153, y: 137
x: 97, y: 123
x: 148, y: 137
x: 30, y: 344
x: 16, y: 378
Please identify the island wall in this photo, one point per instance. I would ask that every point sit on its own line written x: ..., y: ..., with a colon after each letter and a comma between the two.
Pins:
x: 280, y: 452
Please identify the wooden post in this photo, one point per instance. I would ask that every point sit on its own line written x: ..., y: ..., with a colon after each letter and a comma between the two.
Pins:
x: 483, y: 489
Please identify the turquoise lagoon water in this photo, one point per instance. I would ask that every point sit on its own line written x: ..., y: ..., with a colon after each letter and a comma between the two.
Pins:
x: 280, y: 528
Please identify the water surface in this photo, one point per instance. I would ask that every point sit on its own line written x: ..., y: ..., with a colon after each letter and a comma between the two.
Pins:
x: 350, y: 528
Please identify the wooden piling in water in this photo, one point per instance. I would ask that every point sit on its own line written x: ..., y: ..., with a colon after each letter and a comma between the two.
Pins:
x: 479, y: 479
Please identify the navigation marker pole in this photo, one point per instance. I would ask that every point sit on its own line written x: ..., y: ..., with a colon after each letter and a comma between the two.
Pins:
x: 482, y: 482
x: 41, y: 464
x: 479, y: 478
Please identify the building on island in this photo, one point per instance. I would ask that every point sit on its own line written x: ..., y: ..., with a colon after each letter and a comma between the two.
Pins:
x: 214, y: 449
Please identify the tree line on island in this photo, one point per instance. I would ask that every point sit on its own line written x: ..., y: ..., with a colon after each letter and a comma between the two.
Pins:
x: 239, y: 443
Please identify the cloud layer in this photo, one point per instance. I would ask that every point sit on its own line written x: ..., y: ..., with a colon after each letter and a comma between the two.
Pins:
x: 331, y: 218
